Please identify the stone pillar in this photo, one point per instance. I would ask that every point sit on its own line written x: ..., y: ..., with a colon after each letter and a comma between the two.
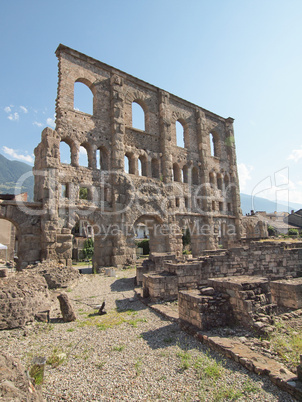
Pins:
x: 117, y: 123
x: 231, y: 154
x: 165, y: 136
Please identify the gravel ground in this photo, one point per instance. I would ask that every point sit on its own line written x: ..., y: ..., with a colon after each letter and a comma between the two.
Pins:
x: 129, y: 354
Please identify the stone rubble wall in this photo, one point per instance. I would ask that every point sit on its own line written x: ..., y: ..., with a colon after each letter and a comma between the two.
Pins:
x: 22, y: 297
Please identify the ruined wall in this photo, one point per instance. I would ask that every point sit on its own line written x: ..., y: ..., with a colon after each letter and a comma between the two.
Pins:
x: 264, y: 259
x: 21, y: 298
x: 174, y: 188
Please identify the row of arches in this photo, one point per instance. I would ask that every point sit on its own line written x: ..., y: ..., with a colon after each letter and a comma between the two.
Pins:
x: 83, y: 101
x: 141, y: 166
x: 84, y: 155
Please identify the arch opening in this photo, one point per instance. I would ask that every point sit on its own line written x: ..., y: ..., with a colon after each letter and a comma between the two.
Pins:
x: 180, y: 134
x: 138, y: 116
x: 83, y: 98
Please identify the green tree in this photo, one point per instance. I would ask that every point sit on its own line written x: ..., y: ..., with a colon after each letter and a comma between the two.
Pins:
x: 293, y: 232
x: 271, y: 230
x: 88, y: 249
x: 83, y: 193
x: 186, y: 237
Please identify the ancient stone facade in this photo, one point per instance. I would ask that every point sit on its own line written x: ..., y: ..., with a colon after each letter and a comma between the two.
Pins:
x: 133, y: 176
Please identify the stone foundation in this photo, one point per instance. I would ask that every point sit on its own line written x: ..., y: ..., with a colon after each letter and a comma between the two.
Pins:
x: 287, y: 293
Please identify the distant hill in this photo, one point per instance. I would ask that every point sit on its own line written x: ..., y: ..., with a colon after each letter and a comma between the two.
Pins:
x: 10, y: 173
x: 262, y: 204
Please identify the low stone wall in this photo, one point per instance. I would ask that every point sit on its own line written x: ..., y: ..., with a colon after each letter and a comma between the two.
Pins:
x: 226, y: 301
x: 287, y: 293
x: 160, y: 286
x: 266, y: 259
x: 204, y: 308
x: 248, y: 295
x: 22, y: 297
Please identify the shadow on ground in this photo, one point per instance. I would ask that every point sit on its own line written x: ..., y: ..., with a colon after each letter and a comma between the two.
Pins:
x: 122, y: 285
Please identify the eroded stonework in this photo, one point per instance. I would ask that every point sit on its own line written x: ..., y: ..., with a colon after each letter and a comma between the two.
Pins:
x: 165, y: 186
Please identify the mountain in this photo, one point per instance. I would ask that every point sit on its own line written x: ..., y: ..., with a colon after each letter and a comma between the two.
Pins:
x: 10, y: 173
x: 249, y: 203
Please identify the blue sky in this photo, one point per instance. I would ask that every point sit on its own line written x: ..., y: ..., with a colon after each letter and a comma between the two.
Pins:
x: 237, y: 58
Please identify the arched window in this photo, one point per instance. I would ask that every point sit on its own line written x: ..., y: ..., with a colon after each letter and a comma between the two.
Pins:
x: 176, y: 173
x: 102, y: 159
x: 83, y: 97
x: 65, y: 152
x: 214, y: 145
x: 155, y: 168
x: 142, y: 166
x: 126, y: 164
x: 195, y: 175
x: 180, y: 134
x: 226, y: 181
x: 219, y: 181
x: 212, y: 178
x: 138, y: 116
x: 130, y: 163
x: 185, y: 174
x: 83, y: 156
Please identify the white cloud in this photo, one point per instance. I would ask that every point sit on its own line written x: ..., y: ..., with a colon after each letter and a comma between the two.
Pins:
x: 7, y: 109
x: 296, y: 155
x: 83, y: 151
x: 36, y: 123
x: 244, y: 174
x: 50, y: 122
x: 13, y: 116
x: 14, y: 154
x: 23, y: 108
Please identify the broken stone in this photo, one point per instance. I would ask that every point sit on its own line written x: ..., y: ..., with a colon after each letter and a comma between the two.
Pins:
x: 66, y: 308
x: 207, y: 291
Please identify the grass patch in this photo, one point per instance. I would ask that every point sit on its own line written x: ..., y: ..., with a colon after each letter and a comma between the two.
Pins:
x: 56, y: 358
x: 185, y: 359
x: 70, y: 329
x: 134, y: 322
x: 287, y: 343
x: 138, y: 366
x: 118, y: 348
x: 109, y: 320
x: 36, y: 372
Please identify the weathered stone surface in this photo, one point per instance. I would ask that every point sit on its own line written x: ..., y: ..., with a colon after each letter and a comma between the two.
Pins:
x: 57, y: 275
x: 14, y: 383
x: 66, y: 308
x: 177, y: 186
x: 21, y: 297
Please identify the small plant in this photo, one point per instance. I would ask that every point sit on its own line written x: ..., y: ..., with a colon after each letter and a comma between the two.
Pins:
x: 185, y: 359
x: 70, y: 329
x: 134, y: 322
x: 100, y: 365
x: 118, y: 348
x: 56, y: 358
x: 249, y: 387
x: 137, y: 366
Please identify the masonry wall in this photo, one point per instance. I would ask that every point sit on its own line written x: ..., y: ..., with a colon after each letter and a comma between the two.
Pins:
x: 176, y: 187
x: 263, y: 259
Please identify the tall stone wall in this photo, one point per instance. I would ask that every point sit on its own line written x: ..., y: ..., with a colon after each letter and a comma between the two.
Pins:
x: 132, y: 176
x: 174, y: 188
